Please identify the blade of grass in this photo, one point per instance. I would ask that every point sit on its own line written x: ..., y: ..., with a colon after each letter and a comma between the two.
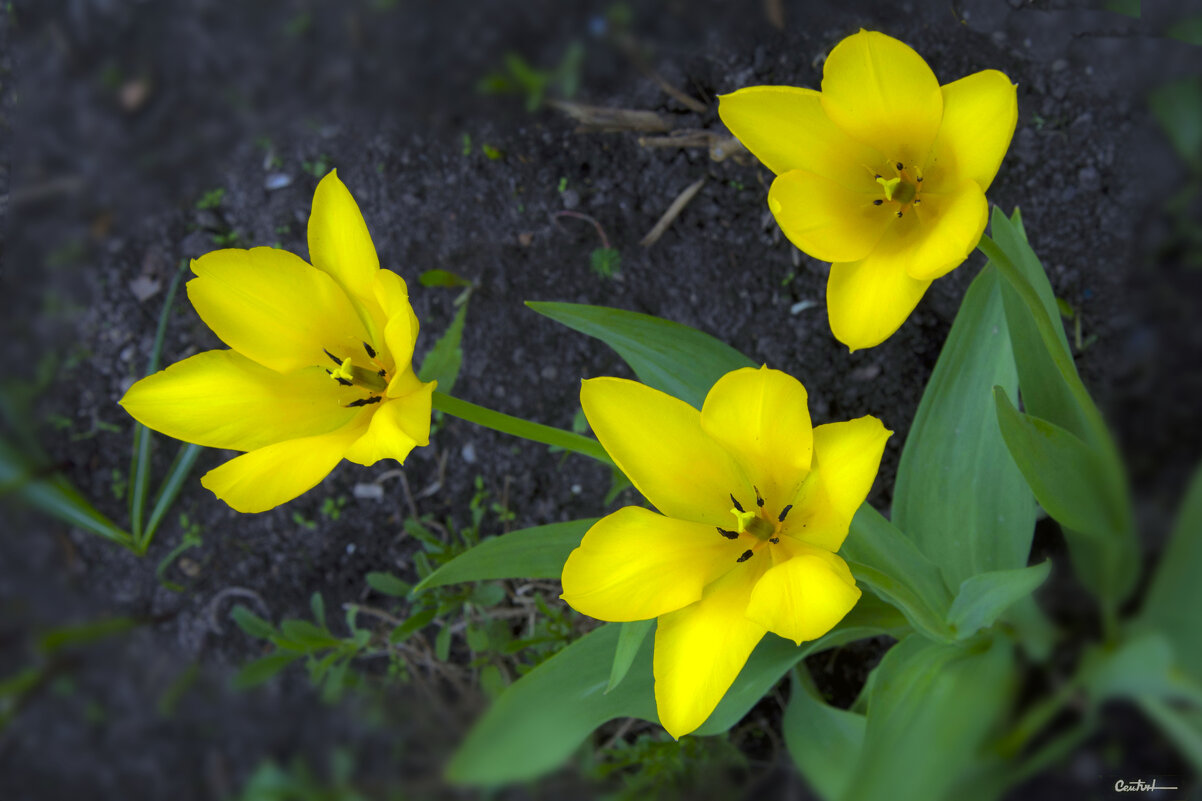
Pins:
x: 139, y: 470
x: 177, y: 474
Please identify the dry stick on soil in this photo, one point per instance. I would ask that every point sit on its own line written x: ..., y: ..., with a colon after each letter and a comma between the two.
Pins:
x: 581, y: 216
x: 672, y: 213
x: 599, y: 119
x: 720, y: 146
x: 628, y: 46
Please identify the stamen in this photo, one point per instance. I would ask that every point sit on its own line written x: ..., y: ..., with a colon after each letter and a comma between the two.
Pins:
x: 917, y: 201
x: 364, y: 401
x: 343, y: 381
x: 730, y: 535
x: 775, y: 540
x: 333, y: 358
x: 735, y: 501
x: 746, y: 555
x: 784, y: 512
x: 877, y: 202
x: 758, y: 500
x: 899, y: 214
x: 900, y: 167
x: 371, y: 352
x: 382, y: 373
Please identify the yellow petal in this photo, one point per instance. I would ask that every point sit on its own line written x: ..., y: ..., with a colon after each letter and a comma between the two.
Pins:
x: 273, y: 307
x: 979, y: 115
x: 635, y: 565
x: 388, y: 301
x: 786, y: 128
x: 882, y: 93
x: 847, y: 457
x: 868, y: 300
x: 221, y: 399
x: 951, y: 228
x: 803, y: 597
x: 761, y: 417
x: 657, y: 441
x: 397, y: 426
x: 400, y: 334
x: 339, y: 242
x: 828, y: 220
x: 275, y: 474
x: 699, y: 650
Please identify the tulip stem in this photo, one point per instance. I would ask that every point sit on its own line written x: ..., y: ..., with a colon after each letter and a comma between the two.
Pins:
x: 516, y: 426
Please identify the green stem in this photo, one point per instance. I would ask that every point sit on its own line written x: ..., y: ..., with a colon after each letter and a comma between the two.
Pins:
x: 516, y: 426
x: 1037, y: 717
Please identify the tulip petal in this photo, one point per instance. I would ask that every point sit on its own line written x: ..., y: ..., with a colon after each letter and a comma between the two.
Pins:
x: 847, y: 457
x: 699, y: 650
x: 951, y: 227
x: 658, y: 442
x: 803, y: 597
x: 869, y: 299
x: 980, y: 112
x: 786, y: 128
x: 339, y: 242
x: 761, y: 417
x: 397, y: 427
x: 828, y: 220
x: 271, y: 306
x: 275, y: 474
x: 882, y: 93
x: 635, y: 565
x: 221, y: 399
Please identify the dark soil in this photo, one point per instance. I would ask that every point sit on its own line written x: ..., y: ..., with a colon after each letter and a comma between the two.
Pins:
x: 101, y: 187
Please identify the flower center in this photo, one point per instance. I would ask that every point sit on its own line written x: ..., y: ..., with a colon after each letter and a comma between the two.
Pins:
x: 374, y: 379
x: 902, y: 190
x: 756, y: 523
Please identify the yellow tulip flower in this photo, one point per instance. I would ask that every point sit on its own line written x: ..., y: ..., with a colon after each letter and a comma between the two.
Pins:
x: 754, y: 502
x: 319, y: 368
x: 883, y: 173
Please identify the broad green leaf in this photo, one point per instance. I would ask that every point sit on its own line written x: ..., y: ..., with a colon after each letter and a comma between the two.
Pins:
x: 887, y: 562
x: 263, y: 669
x: 987, y: 596
x: 931, y: 709
x: 443, y: 361
x: 388, y: 584
x: 252, y: 624
x: 542, y: 717
x: 823, y: 740
x: 1182, y: 725
x: 1175, y: 595
x: 537, y: 552
x: 1062, y: 470
x: 629, y: 642
x: 958, y: 495
x: 1142, y: 665
x: 55, y: 496
x: 668, y: 356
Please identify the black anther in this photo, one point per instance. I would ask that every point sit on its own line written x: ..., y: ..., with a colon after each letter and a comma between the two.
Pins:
x: 784, y: 512
x: 899, y: 214
x: 920, y: 179
x: 735, y: 501
x: 382, y: 372
x: 877, y: 202
x: 371, y: 352
x: 746, y: 555
x: 730, y: 535
x: 343, y: 381
x: 899, y: 166
x: 774, y: 540
x: 364, y: 401
x: 758, y: 500
x: 333, y: 358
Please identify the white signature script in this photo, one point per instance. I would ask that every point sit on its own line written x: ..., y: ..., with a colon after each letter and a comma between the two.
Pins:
x: 1139, y: 786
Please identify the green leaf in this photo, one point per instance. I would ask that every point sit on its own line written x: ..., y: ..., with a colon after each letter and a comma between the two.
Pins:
x: 542, y: 717
x: 668, y: 356
x: 1063, y: 471
x: 252, y: 624
x: 958, y: 495
x: 1177, y: 106
x: 1175, y: 594
x: 1183, y: 727
x: 823, y: 740
x: 537, y: 552
x: 444, y: 278
x: 443, y: 361
x: 931, y: 709
x: 55, y: 496
x: 317, y: 606
x: 388, y: 584
x: 304, y: 633
x: 629, y: 642
x: 1142, y: 665
x: 263, y: 669
x: 415, y: 623
x: 987, y: 596
x: 177, y: 474
x: 92, y: 631
x: 881, y: 557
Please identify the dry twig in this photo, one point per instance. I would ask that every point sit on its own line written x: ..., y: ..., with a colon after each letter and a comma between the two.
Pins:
x: 672, y: 213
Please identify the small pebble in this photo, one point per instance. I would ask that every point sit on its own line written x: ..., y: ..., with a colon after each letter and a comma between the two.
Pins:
x: 277, y: 180
x: 468, y: 452
x: 368, y: 492
x: 570, y: 198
